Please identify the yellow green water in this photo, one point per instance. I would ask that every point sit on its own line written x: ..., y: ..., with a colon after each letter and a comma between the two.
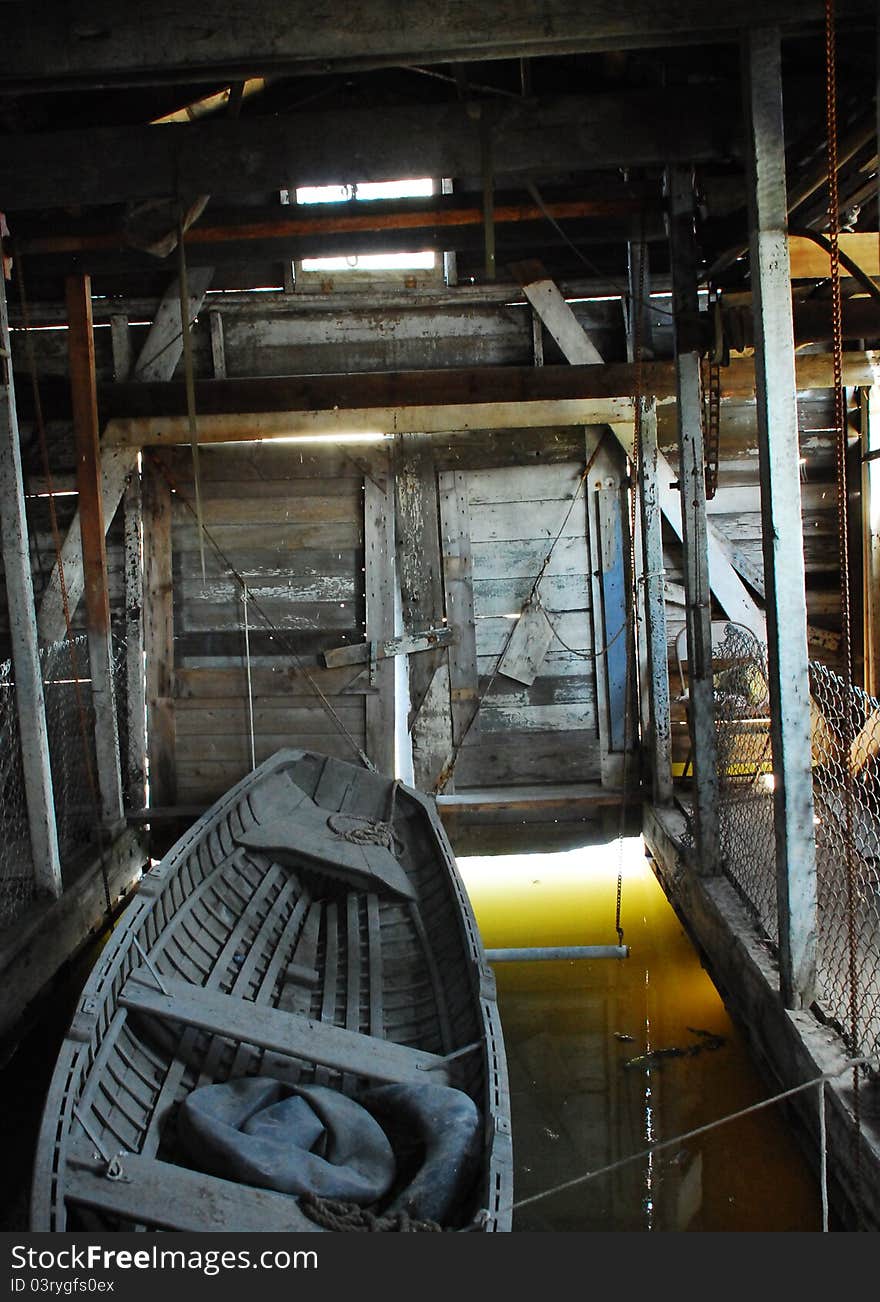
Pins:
x: 571, y: 1028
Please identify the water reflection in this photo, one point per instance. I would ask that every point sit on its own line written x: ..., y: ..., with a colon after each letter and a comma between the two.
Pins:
x: 608, y: 1056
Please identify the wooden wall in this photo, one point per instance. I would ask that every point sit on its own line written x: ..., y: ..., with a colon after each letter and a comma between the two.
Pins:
x: 287, y: 522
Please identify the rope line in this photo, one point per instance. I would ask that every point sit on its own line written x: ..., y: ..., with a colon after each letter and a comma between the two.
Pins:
x: 817, y: 1082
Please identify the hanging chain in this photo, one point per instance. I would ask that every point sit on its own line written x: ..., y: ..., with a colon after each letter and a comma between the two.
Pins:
x: 630, y: 701
x: 840, y: 425
x: 712, y: 398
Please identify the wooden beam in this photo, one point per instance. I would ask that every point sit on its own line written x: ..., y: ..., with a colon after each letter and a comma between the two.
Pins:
x: 218, y: 41
x: 81, y: 349
x: 558, y: 317
x: 139, y: 414
x: 455, y: 532
x: 870, y: 523
x: 379, y: 619
x: 782, y: 528
x: 158, y: 619
x: 654, y: 604
x: 29, y: 698
x: 420, y: 569
x: 808, y: 261
x: 157, y: 362
x: 135, y: 766
x: 235, y: 158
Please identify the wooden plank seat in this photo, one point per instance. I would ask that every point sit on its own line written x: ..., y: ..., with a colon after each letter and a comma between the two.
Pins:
x: 150, y: 1192
x: 290, y: 1034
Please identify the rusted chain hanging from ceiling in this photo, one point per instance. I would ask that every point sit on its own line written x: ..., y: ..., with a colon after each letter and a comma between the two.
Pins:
x: 840, y: 425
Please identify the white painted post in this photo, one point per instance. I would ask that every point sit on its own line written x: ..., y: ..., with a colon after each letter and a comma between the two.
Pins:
x: 23, y: 631
x: 781, y: 519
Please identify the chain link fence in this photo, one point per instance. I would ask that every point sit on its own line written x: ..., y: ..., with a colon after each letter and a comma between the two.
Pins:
x: 846, y: 796
x: 745, y: 773
x: 16, y: 862
x: 70, y: 725
x: 845, y: 746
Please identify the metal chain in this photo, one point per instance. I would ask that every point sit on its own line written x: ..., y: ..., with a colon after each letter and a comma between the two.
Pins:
x: 843, y: 534
x: 631, y: 704
x: 712, y: 404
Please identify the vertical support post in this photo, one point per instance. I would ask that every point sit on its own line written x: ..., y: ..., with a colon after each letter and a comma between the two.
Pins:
x: 612, y: 581
x: 158, y: 636
x: 660, y: 729
x: 136, y: 757
x: 604, y: 476
x: 23, y: 633
x: 379, y: 572
x: 81, y: 350
x: 870, y: 498
x: 639, y: 298
x: 458, y: 586
x: 420, y: 568
x: 218, y: 346
x: 781, y: 519
x: 692, y: 487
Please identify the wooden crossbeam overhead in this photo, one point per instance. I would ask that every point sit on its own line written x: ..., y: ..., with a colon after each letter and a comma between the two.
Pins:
x: 396, y: 401
x: 98, y: 42
x: 238, y: 157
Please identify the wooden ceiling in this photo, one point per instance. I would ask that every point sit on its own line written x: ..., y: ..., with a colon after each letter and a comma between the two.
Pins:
x: 572, y: 111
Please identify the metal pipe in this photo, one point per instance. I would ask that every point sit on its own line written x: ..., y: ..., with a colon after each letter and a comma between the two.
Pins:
x: 539, y: 953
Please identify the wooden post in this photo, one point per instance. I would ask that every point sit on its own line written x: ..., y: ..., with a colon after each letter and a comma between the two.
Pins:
x: 158, y: 616
x: 420, y: 568
x: 459, y: 590
x: 81, y: 349
x: 157, y: 360
x: 29, y: 699
x: 654, y: 605
x: 136, y: 750
x: 782, y: 527
x: 870, y: 498
x: 379, y: 587
x: 692, y: 488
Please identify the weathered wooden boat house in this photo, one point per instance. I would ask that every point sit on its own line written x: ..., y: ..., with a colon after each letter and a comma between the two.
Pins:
x: 490, y: 390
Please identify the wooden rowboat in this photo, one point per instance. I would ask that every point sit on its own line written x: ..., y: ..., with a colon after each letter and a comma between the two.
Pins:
x: 293, y: 1027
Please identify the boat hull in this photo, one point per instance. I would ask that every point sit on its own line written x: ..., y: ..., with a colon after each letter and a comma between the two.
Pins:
x: 310, y: 930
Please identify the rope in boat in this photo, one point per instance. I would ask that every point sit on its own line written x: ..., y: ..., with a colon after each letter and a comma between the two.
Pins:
x: 277, y: 634
x: 342, y: 1216
x: 817, y: 1082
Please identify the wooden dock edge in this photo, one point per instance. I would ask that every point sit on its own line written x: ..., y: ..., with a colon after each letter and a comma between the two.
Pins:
x: 789, y: 1047
x: 49, y: 935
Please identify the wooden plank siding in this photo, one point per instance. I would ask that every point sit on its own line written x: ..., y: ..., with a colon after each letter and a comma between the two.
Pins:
x: 546, y: 731
x: 289, y: 523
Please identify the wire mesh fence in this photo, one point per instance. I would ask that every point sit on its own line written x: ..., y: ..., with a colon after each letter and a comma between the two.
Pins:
x: 16, y: 862
x: 846, y: 796
x: 70, y: 727
x: 70, y: 723
x: 745, y: 764
x: 845, y: 746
